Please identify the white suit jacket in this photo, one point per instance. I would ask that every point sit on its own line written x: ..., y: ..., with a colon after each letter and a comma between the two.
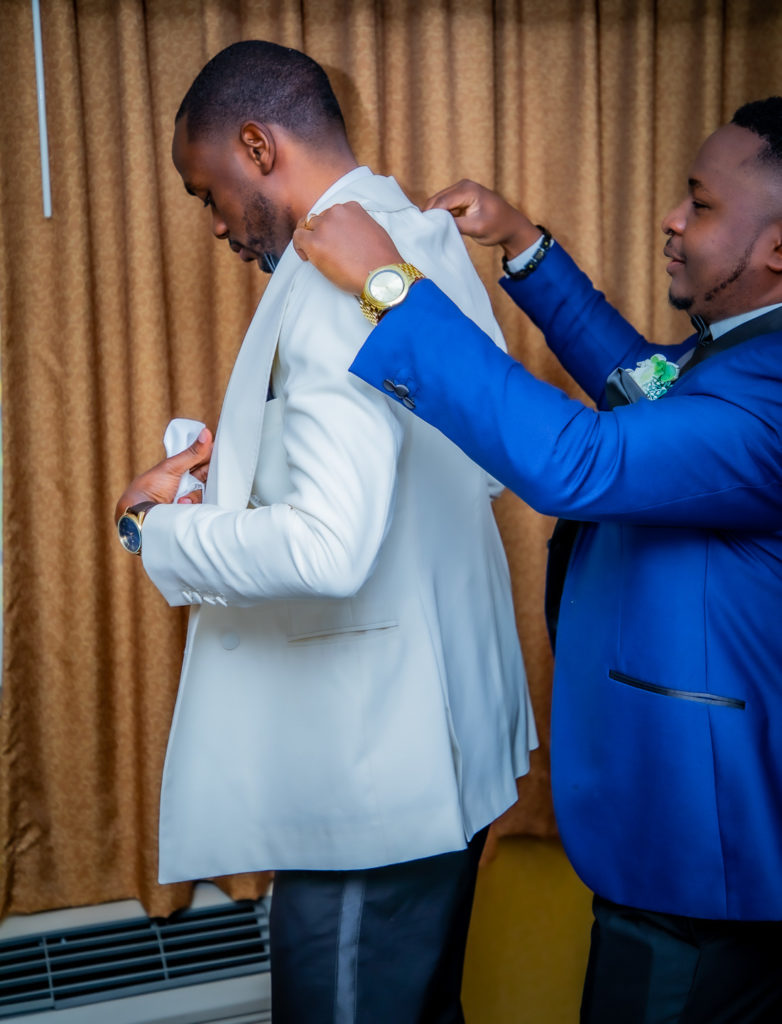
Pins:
x: 352, y: 691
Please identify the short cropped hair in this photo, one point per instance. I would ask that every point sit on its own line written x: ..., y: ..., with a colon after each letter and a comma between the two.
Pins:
x: 255, y: 80
x: 764, y: 118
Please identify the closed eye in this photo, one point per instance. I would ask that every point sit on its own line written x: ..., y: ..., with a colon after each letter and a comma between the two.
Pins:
x: 697, y: 188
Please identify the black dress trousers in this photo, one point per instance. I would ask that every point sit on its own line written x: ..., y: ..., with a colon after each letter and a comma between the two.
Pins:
x: 379, y: 946
x: 649, y: 968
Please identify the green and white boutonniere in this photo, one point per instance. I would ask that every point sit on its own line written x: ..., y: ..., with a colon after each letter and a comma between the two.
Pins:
x: 654, y: 375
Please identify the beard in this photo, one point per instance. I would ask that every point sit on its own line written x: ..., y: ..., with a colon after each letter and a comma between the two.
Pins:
x: 685, y: 302
x: 682, y: 302
x: 267, y: 231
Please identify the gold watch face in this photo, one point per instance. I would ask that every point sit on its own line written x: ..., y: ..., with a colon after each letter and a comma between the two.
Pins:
x: 386, y: 286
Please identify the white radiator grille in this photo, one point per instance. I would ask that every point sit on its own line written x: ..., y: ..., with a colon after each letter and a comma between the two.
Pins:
x: 75, y: 966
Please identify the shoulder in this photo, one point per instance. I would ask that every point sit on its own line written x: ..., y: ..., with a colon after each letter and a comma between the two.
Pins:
x: 753, y: 367
x: 322, y: 326
x: 430, y: 240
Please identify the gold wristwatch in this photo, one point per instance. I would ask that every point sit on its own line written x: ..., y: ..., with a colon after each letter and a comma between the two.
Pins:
x: 386, y: 287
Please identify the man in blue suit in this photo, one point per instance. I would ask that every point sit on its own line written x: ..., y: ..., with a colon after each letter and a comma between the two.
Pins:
x: 667, y: 708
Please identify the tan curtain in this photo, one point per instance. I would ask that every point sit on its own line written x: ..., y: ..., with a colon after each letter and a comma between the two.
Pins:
x: 121, y: 312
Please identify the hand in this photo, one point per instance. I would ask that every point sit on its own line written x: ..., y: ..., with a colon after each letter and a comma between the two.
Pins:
x: 196, y: 496
x: 193, y: 498
x: 160, y: 483
x: 486, y: 216
x: 344, y: 243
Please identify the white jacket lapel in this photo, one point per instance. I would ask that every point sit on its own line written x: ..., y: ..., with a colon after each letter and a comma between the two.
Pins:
x: 238, y: 436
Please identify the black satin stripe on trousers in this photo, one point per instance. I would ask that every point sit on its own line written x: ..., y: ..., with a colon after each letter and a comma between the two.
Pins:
x: 381, y: 946
x: 648, y: 968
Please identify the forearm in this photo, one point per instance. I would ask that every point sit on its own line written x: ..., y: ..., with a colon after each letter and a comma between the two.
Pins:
x: 205, y: 554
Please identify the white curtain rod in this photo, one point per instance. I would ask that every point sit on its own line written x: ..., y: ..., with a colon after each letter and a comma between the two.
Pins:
x: 46, y: 188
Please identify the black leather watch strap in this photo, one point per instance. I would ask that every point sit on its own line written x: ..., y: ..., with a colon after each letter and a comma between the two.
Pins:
x: 141, y: 507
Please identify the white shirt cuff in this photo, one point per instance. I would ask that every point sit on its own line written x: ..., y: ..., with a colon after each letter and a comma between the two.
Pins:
x: 519, y: 262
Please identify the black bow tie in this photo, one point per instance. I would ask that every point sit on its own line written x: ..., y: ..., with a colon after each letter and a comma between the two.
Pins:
x: 703, y: 329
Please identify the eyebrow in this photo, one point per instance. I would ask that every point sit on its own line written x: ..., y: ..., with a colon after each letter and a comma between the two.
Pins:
x: 695, y: 184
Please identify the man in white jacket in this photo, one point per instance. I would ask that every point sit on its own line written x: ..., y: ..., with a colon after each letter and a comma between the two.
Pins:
x: 352, y: 709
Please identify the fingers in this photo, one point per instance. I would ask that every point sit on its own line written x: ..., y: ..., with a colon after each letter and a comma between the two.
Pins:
x: 456, y: 198
x: 470, y: 205
x: 344, y: 243
x: 484, y: 215
x: 302, y: 239
x: 161, y: 483
x: 317, y: 231
x: 200, y: 472
x: 198, y: 452
x: 203, y: 439
x: 194, y: 459
x: 302, y: 236
x: 193, y: 498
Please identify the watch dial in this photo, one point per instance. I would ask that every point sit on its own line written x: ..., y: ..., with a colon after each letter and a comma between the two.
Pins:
x: 129, y: 534
x: 386, y: 286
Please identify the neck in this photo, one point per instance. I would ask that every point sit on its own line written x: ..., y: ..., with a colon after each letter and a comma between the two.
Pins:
x: 311, y: 171
x: 725, y: 324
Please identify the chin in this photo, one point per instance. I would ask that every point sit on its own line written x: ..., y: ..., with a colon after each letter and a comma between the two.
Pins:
x: 683, y: 302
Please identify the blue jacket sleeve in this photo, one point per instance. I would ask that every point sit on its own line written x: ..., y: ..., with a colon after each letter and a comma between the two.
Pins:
x: 588, y: 335
x: 708, y: 454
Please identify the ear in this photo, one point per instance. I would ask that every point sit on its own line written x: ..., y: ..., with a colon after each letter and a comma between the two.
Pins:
x: 260, y: 145
x: 774, y: 257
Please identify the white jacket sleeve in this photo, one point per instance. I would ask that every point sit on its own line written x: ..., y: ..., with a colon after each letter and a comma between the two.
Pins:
x: 341, y: 441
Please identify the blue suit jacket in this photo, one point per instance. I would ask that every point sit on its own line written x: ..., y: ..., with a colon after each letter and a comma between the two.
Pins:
x: 667, y: 707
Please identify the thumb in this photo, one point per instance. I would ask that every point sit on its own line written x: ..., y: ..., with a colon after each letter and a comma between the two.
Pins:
x: 455, y: 199
x: 301, y: 236
x: 196, y: 453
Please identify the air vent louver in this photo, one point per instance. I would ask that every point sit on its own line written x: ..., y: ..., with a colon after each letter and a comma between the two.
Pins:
x: 107, y: 961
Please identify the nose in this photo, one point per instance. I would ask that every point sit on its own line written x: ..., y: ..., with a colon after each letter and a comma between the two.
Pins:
x: 675, y: 219
x: 219, y: 227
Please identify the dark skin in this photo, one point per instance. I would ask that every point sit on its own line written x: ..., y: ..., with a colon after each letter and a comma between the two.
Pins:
x: 724, y: 244
x: 724, y: 239
x: 257, y: 181
x: 345, y: 243
x: 160, y: 483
